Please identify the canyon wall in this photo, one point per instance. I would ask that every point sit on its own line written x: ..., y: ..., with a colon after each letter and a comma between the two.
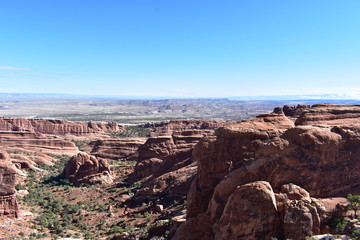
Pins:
x: 58, y: 127
x: 8, y: 203
x: 261, y: 178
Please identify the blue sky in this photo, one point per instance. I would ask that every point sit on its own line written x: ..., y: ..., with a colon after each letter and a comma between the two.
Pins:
x: 180, y: 48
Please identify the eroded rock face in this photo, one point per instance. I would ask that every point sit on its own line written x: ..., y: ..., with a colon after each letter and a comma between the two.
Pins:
x: 295, y: 111
x: 165, y: 163
x: 253, y: 212
x: 321, y: 160
x: 167, y: 128
x: 175, y: 182
x: 250, y: 213
x: 300, y: 215
x: 8, y: 203
x: 330, y: 114
x: 59, y: 127
x: 123, y: 149
x: 36, y: 142
x: 86, y: 169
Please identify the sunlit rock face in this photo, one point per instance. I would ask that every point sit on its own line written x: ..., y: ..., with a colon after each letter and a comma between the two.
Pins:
x: 122, y: 149
x: 166, y: 165
x: 8, y: 203
x: 167, y: 128
x: 58, y: 127
x: 87, y: 169
x: 272, y: 159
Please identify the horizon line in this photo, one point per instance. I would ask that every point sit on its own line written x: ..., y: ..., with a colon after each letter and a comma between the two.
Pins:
x: 280, y: 97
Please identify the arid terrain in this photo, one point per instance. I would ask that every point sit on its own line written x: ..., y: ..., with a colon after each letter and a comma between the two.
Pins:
x: 123, y: 111
x: 284, y: 174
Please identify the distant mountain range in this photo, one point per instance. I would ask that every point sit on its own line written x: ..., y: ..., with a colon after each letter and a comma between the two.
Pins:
x: 303, y: 97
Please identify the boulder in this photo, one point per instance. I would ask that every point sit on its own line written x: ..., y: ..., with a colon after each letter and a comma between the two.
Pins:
x: 87, y: 169
x: 249, y: 214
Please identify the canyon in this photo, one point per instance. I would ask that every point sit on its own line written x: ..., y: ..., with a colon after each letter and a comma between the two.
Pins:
x: 284, y: 174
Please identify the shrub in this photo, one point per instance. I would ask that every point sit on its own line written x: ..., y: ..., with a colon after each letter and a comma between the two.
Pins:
x: 356, y: 234
x: 132, y: 131
x: 338, y: 224
x: 354, y: 203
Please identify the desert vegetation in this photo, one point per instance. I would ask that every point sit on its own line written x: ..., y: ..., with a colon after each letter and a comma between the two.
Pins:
x: 63, y: 210
x: 132, y: 131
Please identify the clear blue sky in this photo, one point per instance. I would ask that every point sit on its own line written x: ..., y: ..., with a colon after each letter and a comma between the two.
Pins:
x: 180, y: 48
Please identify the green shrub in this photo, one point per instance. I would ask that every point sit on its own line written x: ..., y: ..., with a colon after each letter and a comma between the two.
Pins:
x: 132, y: 131
x: 338, y: 224
x: 354, y: 203
x: 356, y: 234
x: 80, y: 144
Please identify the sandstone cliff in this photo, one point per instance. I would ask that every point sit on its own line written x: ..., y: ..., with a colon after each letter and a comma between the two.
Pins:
x: 329, y: 114
x: 58, y: 127
x: 255, y: 178
x: 36, y: 142
x: 165, y: 163
x: 167, y: 128
x: 8, y: 203
x: 123, y: 149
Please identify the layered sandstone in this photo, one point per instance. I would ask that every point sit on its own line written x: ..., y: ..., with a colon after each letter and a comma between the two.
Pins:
x: 123, y: 149
x: 36, y: 142
x: 291, y: 162
x: 330, y: 114
x: 295, y: 111
x: 8, y: 203
x: 165, y: 163
x: 86, y: 169
x: 167, y: 128
x: 58, y: 127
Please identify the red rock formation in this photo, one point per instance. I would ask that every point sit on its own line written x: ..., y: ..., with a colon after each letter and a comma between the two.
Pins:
x: 175, y: 182
x: 250, y: 213
x: 295, y: 111
x: 322, y: 160
x: 86, y: 169
x: 167, y: 128
x: 8, y: 203
x: 165, y: 163
x: 36, y: 142
x: 300, y: 215
x: 58, y: 127
x: 330, y: 114
x: 124, y: 149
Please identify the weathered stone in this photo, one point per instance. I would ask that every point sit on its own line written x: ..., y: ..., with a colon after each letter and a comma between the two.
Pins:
x: 8, y: 203
x: 59, y: 127
x: 321, y: 160
x: 86, y: 169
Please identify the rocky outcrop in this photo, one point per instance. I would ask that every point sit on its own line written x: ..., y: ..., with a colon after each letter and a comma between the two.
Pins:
x: 8, y: 203
x: 250, y: 213
x: 300, y: 215
x: 58, y: 127
x: 321, y: 161
x: 86, y: 169
x: 167, y: 128
x: 165, y: 163
x: 330, y: 114
x: 175, y: 182
x: 123, y: 149
x: 295, y: 111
